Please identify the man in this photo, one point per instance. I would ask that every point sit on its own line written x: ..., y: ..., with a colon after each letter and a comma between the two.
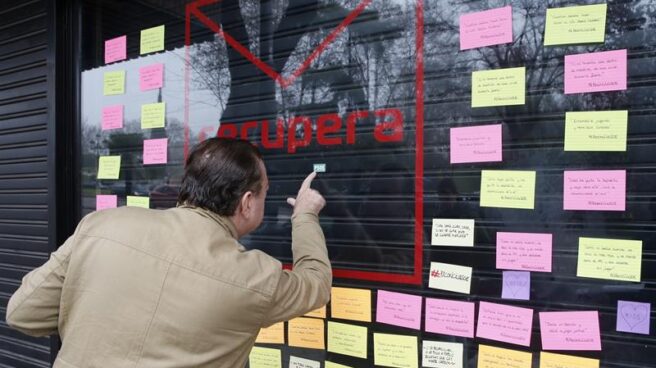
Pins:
x: 134, y: 287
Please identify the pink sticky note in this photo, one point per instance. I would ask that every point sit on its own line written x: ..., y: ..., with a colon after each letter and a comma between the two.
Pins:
x: 104, y: 201
x: 570, y: 330
x: 595, y: 72
x: 450, y: 317
x: 524, y: 251
x: 398, y: 309
x: 115, y: 49
x: 505, y: 323
x: 112, y: 117
x: 595, y: 190
x: 476, y: 144
x: 486, y: 28
x: 151, y: 76
x: 155, y: 151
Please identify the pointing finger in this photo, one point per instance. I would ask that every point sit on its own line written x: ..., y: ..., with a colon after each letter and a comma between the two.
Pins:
x: 308, y: 181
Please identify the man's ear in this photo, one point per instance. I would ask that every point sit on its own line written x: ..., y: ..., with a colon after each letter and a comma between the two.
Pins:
x: 246, y: 204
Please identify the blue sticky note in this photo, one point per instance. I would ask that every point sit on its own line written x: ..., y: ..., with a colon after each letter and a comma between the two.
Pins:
x: 516, y: 285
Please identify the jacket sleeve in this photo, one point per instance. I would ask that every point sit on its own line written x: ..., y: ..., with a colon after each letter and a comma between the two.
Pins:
x: 307, y: 286
x: 34, y: 307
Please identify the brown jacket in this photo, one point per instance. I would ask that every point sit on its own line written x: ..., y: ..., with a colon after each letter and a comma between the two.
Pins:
x: 174, y: 288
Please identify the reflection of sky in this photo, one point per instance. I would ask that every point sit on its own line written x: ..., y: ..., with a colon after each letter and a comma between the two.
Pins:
x: 204, y: 110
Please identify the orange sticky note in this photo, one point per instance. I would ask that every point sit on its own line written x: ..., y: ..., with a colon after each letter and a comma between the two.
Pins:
x: 353, y: 304
x: 317, y: 313
x: 306, y: 333
x: 274, y: 334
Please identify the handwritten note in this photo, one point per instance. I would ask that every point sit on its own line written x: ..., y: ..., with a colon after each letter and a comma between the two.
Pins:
x: 320, y: 168
x: 104, y: 201
x: 306, y: 333
x: 486, y: 28
x: 595, y: 72
x: 151, y: 77
x: 136, y: 201
x: 353, y: 304
x: 398, y: 309
x: 153, y: 115
x: 596, y: 130
x: 575, y: 24
x: 491, y: 357
x: 114, y: 83
x: 570, y: 330
x: 274, y: 334
x: 508, y: 189
x: 317, y: 313
x: 476, y: 144
x: 112, y: 117
x: 453, y: 232
x: 347, y: 339
x: 594, y: 190
x: 499, y: 87
x: 395, y: 350
x: 115, y: 49
x: 152, y: 40
x: 155, y: 151
x: 505, y: 323
x: 524, y: 251
x: 516, y: 285
x: 633, y: 317
x: 265, y: 358
x: 296, y: 362
x: 437, y: 354
x: 450, y: 317
x: 551, y: 360
x: 611, y: 259
x: 450, y: 277
x: 109, y: 167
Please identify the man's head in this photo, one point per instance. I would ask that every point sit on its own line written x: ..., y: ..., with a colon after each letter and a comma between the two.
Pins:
x: 227, y: 176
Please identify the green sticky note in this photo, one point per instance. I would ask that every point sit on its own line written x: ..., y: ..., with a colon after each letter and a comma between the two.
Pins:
x: 508, y: 189
x: 575, y: 24
x: 395, y: 350
x: 152, y: 39
x: 596, y: 130
x: 265, y: 358
x: 152, y: 115
x: 499, y: 87
x: 347, y: 339
x: 136, y: 201
x: 109, y: 167
x: 609, y: 259
x: 114, y: 83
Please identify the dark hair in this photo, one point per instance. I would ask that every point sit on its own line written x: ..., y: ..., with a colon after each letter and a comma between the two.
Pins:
x: 218, y: 172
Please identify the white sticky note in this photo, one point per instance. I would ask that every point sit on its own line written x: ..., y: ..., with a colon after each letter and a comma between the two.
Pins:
x: 296, y: 362
x: 319, y: 168
x: 455, y: 232
x: 450, y: 277
x: 437, y: 354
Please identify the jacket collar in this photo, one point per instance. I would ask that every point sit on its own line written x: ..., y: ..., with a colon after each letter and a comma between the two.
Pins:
x: 223, y: 221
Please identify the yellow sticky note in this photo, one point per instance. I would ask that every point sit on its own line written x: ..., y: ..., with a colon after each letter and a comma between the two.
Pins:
x: 491, y: 357
x: 575, y: 24
x: 596, y: 130
x: 347, y: 339
x: 109, y: 167
x: 395, y: 350
x: 135, y: 201
x: 353, y: 304
x: 306, y: 333
x: 609, y: 259
x: 335, y: 365
x: 274, y: 334
x: 317, y: 313
x: 550, y: 360
x: 114, y: 83
x: 499, y: 87
x: 508, y: 189
x: 152, y: 115
x: 265, y: 358
x: 152, y: 39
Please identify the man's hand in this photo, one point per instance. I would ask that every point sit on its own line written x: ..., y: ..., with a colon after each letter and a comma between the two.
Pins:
x: 307, y: 200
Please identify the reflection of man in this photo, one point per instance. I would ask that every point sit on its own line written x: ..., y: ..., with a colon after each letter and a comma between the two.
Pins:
x: 174, y: 288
